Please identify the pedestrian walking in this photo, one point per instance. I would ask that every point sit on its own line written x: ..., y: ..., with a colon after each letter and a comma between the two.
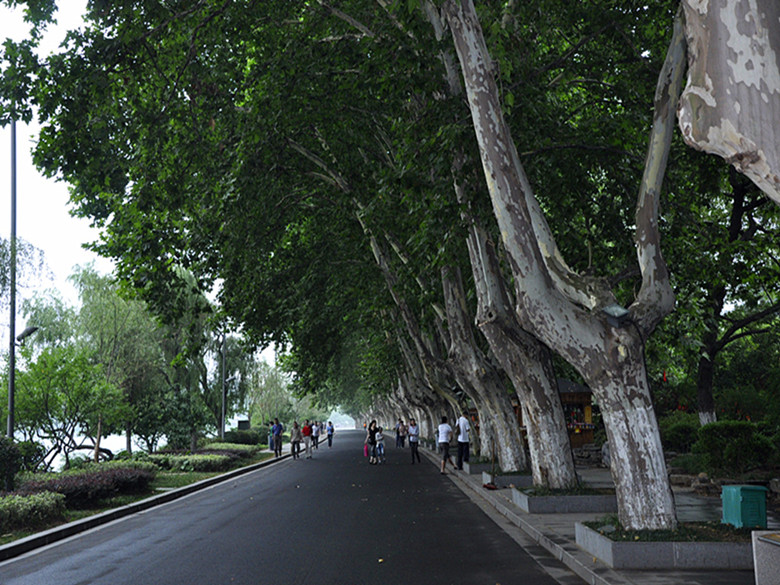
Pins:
x: 463, y: 428
x: 330, y: 430
x: 271, y: 435
x: 296, y: 436
x: 306, y: 432
x: 380, y: 445
x: 371, y: 442
x: 414, y: 440
x: 445, y: 436
x: 278, y: 429
x: 315, y: 434
x: 400, y: 434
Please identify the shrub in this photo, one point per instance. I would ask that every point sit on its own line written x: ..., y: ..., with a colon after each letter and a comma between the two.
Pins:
x: 732, y: 447
x: 243, y: 437
x: 30, y: 511
x: 10, y: 461
x: 689, y: 463
x: 239, y: 450
x: 86, y: 488
x: 207, y: 462
x: 142, y: 464
x: 679, y: 431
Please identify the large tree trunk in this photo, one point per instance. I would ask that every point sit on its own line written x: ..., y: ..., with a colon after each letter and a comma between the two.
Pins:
x: 564, y: 310
x: 476, y: 373
x: 528, y: 364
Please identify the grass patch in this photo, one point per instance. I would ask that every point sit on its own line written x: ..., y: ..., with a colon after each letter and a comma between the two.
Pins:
x: 686, y: 532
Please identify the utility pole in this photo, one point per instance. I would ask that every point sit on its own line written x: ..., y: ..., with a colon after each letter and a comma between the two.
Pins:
x: 224, y: 387
x: 12, y: 329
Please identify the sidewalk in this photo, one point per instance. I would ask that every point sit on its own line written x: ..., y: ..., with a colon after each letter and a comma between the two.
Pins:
x: 555, y: 532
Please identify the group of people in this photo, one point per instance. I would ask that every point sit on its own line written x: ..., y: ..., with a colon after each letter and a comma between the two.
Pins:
x: 309, y: 434
x: 374, y: 445
x: 445, y: 434
x: 375, y: 440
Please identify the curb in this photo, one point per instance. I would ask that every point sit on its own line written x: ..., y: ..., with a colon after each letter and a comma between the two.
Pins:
x: 562, y: 549
x: 39, y: 539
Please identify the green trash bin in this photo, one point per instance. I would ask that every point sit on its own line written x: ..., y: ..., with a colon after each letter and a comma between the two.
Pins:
x: 744, y: 505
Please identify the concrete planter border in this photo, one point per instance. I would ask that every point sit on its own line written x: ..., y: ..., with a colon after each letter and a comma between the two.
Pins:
x: 574, y: 504
x: 476, y: 468
x: 505, y: 481
x: 664, y: 555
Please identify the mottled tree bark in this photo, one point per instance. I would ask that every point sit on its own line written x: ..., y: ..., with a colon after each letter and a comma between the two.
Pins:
x: 476, y: 372
x: 562, y: 309
x: 528, y: 363
x: 731, y: 103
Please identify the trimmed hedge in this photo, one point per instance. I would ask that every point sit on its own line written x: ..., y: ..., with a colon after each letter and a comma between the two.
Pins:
x: 30, y: 511
x: 243, y: 437
x: 240, y: 450
x: 206, y: 462
x: 86, y: 488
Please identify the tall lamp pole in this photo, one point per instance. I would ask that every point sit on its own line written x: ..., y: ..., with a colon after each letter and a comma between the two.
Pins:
x: 224, y: 387
x: 12, y: 336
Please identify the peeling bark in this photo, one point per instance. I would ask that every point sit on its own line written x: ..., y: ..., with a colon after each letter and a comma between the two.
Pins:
x: 528, y: 364
x: 731, y: 103
x: 610, y: 360
x: 482, y: 380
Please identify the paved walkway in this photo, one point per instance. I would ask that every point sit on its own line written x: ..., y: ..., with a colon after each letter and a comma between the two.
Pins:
x: 555, y: 532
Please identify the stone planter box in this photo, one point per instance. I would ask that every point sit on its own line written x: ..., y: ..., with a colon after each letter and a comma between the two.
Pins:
x: 665, y: 555
x: 575, y: 504
x: 505, y: 481
x: 766, y: 556
x: 476, y: 468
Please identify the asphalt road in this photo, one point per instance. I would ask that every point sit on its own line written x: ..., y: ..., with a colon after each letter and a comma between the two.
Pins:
x: 332, y: 519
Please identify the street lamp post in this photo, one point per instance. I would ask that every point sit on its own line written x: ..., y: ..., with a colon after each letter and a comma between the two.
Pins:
x: 224, y: 388
x: 12, y: 332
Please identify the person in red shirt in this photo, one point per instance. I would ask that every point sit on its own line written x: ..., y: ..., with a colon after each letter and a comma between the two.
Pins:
x: 306, y: 431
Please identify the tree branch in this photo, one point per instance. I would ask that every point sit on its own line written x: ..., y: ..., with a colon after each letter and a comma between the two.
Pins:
x: 656, y: 297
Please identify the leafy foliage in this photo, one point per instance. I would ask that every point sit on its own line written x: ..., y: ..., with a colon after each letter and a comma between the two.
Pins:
x: 732, y: 447
x: 10, y: 462
x: 83, y: 490
x: 30, y: 511
x: 679, y: 431
x: 192, y: 462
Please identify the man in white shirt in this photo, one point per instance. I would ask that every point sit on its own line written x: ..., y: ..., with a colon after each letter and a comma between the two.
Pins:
x: 445, y: 436
x: 463, y: 429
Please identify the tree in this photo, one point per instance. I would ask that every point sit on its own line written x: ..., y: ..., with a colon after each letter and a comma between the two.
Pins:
x: 239, y: 162
x: 64, y: 400
x: 731, y: 100
x: 558, y: 305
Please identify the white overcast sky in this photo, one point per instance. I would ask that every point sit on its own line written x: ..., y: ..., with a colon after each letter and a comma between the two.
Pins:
x: 42, y: 216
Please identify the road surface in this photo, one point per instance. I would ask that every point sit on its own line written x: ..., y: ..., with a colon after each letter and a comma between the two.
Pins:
x: 332, y: 519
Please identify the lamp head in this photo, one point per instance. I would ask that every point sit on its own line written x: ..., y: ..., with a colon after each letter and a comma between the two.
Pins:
x: 26, y: 333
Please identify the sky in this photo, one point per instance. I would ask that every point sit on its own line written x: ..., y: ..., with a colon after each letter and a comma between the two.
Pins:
x: 42, y: 217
